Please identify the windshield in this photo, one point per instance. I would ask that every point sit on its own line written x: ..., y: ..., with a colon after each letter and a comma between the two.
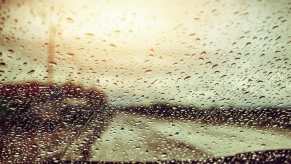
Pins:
x: 147, y: 80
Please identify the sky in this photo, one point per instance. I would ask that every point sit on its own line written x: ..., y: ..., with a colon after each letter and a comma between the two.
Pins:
x: 201, y: 53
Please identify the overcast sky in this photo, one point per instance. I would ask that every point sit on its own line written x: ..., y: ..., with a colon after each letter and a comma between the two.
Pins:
x: 203, y: 53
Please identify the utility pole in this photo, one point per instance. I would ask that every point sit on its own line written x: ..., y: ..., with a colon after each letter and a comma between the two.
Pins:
x: 51, y: 48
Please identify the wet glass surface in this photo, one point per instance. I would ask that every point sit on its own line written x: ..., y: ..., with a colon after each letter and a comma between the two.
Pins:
x: 108, y: 80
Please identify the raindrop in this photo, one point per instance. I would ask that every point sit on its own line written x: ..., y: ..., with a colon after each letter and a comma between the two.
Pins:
x: 31, y: 71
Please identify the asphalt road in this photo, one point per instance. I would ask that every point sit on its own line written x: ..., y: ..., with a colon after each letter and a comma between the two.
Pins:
x: 136, y: 137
